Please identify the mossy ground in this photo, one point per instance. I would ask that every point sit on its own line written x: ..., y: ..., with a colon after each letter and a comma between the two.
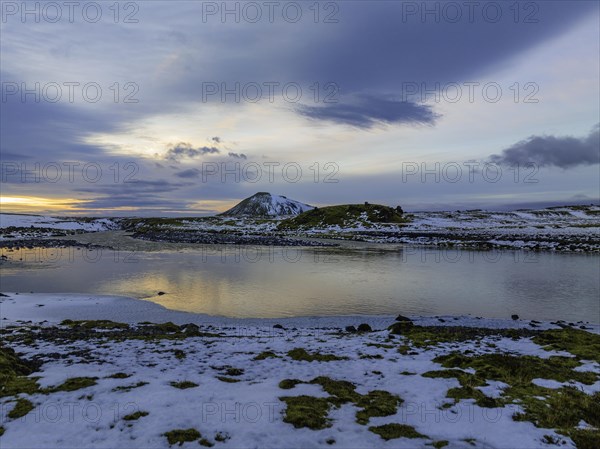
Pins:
x: 584, y: 345
x: 73, y: 384
x: 302, y: 354
x: 180, y: 436
x: 21, y: 408
x: 374, y: 403
x: 226, y: 379
x: 184, y: 385
x: 130, y: 387
x: 553, y: 408
x: 135, y: 416
x: 266, y: 355
x: 393, y: 431
x: 345, y: 215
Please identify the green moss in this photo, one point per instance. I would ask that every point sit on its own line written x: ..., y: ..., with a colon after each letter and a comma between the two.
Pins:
x: 515, y: 370
x: 288, y: 384
x: 306, y: 411
x: 266, y: 355
x: 440, y: 444
x: 380, y: 345
x: 118, y: 376
x: 426, y: 336
x: 376, y: 403
x: 22, y: 407
x: 234, y: 371
x: 369, y: 356
x: 230, y: 380
x: 467, y: 389
x: 585, y: 439
x: 19, y: 384
x: 130, y: 387
x: 184, y: 384
x: 135, y: 416
x: 180, y: 436
x: 561, y: 408
x: 342, y: 390
x: 73, y: 384
x: 303, y: 355
x: 13, y: 370
x: 343, y: 215
x: 1, y: 431
x: 465, y: 379
x: 393, y: 431
x: 582, y: 344
x: 95, y: 324
x: 204, y: 442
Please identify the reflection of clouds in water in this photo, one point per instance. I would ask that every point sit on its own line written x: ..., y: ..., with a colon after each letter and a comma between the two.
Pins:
x: 248, y: 282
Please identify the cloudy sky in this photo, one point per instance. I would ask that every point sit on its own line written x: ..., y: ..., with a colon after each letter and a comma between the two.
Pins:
x: 184, y: 108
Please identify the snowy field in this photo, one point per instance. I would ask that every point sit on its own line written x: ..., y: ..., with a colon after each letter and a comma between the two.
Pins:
x: 305, y: 383
x: 569, y: 228
x: 23, y: 226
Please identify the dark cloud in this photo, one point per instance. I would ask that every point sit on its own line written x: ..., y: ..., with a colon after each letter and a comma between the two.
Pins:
x: 138, y: 187
x: 190, y: 173
x: 184, y: 150
x: 374, y: 47
x: 52, y: 131
x: 563, y: 152
x: 364, y: 111
x: 238, y: 155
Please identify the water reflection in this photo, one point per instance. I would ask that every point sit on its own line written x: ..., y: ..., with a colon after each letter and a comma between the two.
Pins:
x: 278, y: 282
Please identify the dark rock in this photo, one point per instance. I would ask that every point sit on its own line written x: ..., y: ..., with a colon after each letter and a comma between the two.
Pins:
x: 161, y: 293
x: 515, y: 317
x: 3, y: 295
x: 278, y: 326
x: 350, y: 329
x: 403, y: 318
x: 190, y: 328
x: 400, y: 327
x: 364, y: 327
x: 441, y: 320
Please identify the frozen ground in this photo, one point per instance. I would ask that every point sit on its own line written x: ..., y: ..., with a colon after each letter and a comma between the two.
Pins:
x: 15, y: 226
x: 233, y: 396
x: 569, y: 228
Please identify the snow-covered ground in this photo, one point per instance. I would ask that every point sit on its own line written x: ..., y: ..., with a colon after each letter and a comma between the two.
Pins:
x: 569, y: 228
x: 19, y: 226
x: 233, y: 400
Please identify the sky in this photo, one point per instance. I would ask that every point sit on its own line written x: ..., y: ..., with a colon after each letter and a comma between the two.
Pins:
x: 155, y: 108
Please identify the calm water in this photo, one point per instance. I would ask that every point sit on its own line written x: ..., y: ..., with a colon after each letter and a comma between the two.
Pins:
x: 280, y: 282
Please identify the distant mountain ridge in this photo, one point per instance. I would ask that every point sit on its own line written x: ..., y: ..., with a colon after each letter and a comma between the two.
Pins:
x: 264, y: 204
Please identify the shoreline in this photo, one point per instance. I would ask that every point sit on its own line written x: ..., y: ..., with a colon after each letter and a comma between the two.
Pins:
x: 56, y: 307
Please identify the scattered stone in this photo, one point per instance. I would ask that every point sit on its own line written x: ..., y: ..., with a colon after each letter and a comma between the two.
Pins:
x: 400, y: 327
x: 403, y: 318
x: 190, y: 328
x: 364, y: 327
x: 350, y: 329
x: 278, y: 326
x: 515, y: 317
x: 161, y: 293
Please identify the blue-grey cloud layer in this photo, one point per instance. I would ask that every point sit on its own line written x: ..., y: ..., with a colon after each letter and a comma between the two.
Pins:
x: 563, y: 152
